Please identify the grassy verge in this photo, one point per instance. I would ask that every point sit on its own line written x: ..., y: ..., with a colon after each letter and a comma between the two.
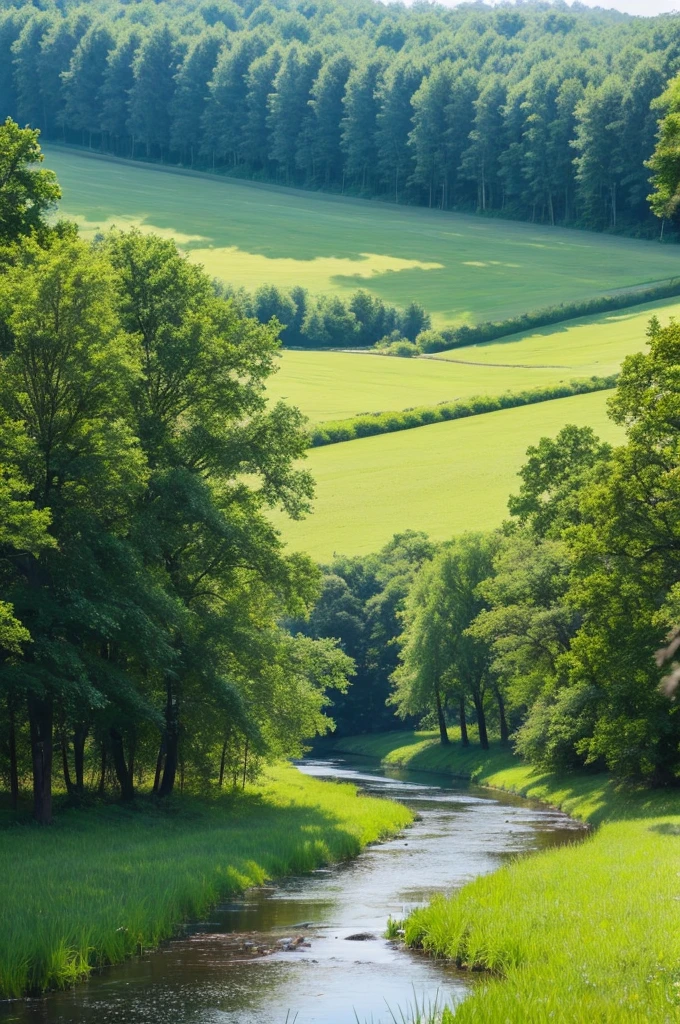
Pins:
x: 102, y: 884
x: 370, y: 424
x: 585, y: 933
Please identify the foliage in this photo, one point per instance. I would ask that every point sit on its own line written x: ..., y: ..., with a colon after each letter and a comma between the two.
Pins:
x: 535, y: 114
x: 26, y: 192
x: 143, y: 584
x: 360, y: 604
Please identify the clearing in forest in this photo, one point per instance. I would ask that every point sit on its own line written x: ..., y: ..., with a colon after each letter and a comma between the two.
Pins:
x: 443, y: 479
x: 461, y: 268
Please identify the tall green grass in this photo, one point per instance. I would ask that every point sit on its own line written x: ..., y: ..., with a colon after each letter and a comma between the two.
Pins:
x: 103, y: 884
x: 586, y: 933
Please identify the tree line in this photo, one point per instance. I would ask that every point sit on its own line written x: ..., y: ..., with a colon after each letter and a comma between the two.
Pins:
x: 329, y: 321
x: 558, y: 632
x: 541, y: 112
x: 143, y: 588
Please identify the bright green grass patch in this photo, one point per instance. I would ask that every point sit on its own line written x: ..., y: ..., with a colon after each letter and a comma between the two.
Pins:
x: 102, y: 884
x: 338, y: 385
x: 461, y: 268
x: 443, y: 479
x: 585, y: 933
x: 590, y: 345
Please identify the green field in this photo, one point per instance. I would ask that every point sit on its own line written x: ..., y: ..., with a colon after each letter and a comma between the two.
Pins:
x: 462, y: 268
x: 443, y: 479
x: 593, y: 345
x: 336, y: 385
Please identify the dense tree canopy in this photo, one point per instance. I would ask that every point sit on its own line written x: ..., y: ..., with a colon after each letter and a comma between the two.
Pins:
x: 143, y: 587
x: 545, y: 113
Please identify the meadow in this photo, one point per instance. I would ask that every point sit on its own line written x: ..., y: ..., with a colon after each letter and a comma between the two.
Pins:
x: 106, y: 882
x: 338, y: 385
x: 584, y: 933
x: 461, y: 268
x: 584, y: 346
x: 443, y: 479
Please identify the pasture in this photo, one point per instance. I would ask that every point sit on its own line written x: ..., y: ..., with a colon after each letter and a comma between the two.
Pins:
x: 461, y: 268
x: 444, y: 479
x: 337, y: 385
x: 593, y: 345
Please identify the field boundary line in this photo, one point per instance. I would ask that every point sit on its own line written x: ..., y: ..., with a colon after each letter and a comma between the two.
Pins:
x: 372, y: 424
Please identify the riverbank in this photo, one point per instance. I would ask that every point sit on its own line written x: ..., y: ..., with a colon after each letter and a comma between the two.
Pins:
x: 585, y: 933
x: 105, y: 882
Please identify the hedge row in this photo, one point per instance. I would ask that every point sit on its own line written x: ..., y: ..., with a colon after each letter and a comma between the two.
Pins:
x: 457, y: 337
x: 369, y: 424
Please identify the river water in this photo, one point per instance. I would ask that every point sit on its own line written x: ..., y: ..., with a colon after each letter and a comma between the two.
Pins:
x: 215, y: 973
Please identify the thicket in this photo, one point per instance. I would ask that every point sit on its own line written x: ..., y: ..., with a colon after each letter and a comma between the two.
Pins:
x: 471, y: 334
x: 368, y: 424
x: 328, y: 321
x: 142, y: 585
x: 534, y: 112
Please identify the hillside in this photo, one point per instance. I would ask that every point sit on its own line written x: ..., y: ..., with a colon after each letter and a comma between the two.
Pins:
x: 444, y: 479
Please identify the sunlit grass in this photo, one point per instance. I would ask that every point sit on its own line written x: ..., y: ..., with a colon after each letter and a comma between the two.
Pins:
x: 584, y: 933
x: 338, y: 385
x: 103, y: 884
x: 443, y: 479
x: 594, y: 345
x: 461, y: 268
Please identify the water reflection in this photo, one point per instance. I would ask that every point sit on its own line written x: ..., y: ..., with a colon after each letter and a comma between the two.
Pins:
x: 215, y: 975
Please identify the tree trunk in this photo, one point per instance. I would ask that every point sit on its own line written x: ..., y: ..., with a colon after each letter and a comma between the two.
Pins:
x: 65, y: 765
x: 505, y: 732
x: 159, y: 767
x: 464, y: 739
x: 13, y: 770
x: 171, y: 744
x: 40, y: 713
x: 125, y: 781
x: 101, y: 788
x: 245, y: 764
x: 79, y: 737
x: 443, y: 734
x: 222, y: 763
x: 481, y: 721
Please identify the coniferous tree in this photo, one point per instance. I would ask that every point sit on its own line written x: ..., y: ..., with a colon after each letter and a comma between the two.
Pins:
x: 155, y: 66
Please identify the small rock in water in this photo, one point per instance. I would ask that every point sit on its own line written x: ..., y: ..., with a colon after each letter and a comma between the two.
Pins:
x: 360, y: 937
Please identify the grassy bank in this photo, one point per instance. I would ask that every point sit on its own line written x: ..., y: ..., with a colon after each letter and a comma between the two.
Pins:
x: 104, y: 883
x: 585, y: 933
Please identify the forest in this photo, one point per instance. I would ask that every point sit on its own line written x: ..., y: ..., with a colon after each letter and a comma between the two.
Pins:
x: 540, y: 112
x: 143, y: 585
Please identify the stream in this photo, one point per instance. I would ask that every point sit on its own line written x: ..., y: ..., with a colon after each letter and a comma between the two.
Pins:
x: 235, y: 968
